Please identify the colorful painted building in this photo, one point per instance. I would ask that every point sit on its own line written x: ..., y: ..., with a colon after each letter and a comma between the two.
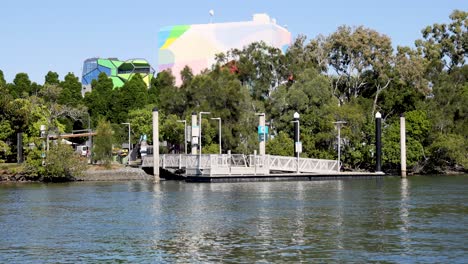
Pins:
x: 196, y: 45
x: 119, y: 71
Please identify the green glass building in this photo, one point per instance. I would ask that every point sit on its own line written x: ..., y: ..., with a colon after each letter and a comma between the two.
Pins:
x: 119, y: 71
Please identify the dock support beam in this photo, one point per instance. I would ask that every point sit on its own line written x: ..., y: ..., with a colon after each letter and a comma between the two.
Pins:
x: 378, y: 142
x: 403, y: 145
x: 156, y: 144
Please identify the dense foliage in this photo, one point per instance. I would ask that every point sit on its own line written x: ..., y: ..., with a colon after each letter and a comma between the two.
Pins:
x: 60, y: 164
x: 102, y: 150
x: 349, y: 75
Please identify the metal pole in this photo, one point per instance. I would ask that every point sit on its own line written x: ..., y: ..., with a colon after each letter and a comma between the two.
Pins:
x: 156, y: 144
x: 339, y: 147
x: 338, y: 125
x: 185, y: 137
x: 200, y: 139
x: 296, y: 138
x: 220, y: 149
x: 194, y: 134
x: 199, y: 143
x: 378, y: 142
x: 403, y: 145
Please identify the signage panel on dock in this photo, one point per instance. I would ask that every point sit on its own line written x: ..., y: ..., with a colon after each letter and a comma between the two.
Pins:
x: 195, y: 131
x: 299, y: 147
x: 262, y: 130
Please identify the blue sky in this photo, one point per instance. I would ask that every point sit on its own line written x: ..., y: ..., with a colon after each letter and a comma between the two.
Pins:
x: 58, y: 35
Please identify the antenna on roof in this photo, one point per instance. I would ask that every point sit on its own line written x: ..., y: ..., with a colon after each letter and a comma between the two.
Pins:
x: 211, y: 12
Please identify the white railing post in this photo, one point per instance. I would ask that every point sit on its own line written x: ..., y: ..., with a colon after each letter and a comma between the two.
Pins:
x: 255, y: 162
x: 180, y: 161
x: 211, y: 165
x: 229, y: 161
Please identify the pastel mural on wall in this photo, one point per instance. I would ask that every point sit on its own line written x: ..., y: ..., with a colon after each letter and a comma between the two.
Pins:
x: 196, y: 45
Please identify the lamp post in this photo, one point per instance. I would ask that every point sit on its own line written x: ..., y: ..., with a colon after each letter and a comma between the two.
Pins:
x: 200, y: 138
x: 185, y: 134
x: 129, y: 144
x: 297, y: 142
x: 219, y: 118
x: 338, y: 126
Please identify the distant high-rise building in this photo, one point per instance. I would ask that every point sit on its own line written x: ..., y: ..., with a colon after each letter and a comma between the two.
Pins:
x: 196, y: 45
x: 119, y: 71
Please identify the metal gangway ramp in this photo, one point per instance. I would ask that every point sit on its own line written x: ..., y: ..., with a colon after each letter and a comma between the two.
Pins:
x: 240, y: 164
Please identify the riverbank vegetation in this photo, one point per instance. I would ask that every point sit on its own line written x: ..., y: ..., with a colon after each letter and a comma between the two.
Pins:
x: 348, y: 75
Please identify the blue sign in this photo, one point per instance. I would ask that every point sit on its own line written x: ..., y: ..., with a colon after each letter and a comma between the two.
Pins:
x: 262, y: 130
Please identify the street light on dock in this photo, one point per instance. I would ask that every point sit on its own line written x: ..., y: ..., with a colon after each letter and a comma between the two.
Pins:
x: 338, y: 125
x: 297, y: 142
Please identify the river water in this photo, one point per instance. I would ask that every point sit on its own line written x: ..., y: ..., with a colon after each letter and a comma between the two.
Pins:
x: 423, y: 219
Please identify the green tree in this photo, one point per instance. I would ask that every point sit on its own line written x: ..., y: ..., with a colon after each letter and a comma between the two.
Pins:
x: 448, y: 112
x: 131, y: 95
x: 417, y: 127
x: 141, y: 121
x: 170, y: 98
x: 2, y: 79
x: 54, y: 110
x: 410, y: 85
x: 101, y: 99
x: 103, y: 143
x: 62, y: 164
x: 353, y: 52
x: 170, y: 131
x: 71, y: 91
x: 445, y: 45
x: 221, y: 93
x: 300, y: 55
x: 448, y: 153
x: 281, y: 145
x: 311, y: 96
x: 21, y: 86
x: 52, y: 78
x: 5, y: 133
x: 259, y: 67
x: 164, y: 82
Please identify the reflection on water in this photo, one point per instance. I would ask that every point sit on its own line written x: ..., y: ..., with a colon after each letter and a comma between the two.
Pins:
x: 419, y: 219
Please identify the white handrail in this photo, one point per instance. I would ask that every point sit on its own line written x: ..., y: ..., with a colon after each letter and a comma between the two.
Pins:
x: 224, y: 164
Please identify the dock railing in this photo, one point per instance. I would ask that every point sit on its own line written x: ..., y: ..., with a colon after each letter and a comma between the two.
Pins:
x: 240, y: 164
